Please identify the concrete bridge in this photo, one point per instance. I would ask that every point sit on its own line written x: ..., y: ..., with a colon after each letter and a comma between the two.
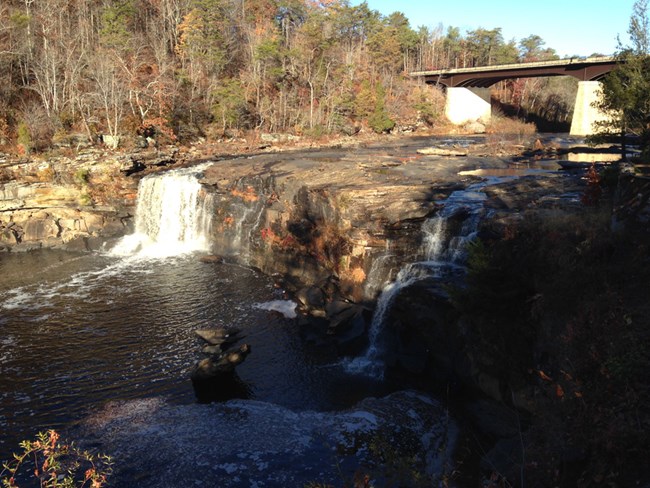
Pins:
x: 468, y: 95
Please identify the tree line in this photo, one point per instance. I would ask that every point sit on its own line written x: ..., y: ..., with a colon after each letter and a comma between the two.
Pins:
x: 186, y: 68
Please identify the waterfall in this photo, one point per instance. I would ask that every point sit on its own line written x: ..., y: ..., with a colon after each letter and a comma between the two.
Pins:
x: 172, y: 217
x: 248, y: 217
x: 441, y: 253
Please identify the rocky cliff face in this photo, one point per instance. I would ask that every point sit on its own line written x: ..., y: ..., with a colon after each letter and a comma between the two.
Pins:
x: 42, y: 215
x: 340, y: 219
x: 70, y: 203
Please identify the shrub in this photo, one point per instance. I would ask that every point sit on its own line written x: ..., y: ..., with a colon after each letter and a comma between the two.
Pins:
x: 24, y: 137
x: 503, y: 129
x: 49, y: 463
x: 558, y: 303
x: 81, y: 176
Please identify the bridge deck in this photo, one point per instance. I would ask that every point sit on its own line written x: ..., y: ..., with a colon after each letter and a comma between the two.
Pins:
x: 483, y: 76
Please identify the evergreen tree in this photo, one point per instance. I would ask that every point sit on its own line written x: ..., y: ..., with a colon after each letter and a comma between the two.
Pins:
x: 380, y: 121
x: 626, y: 90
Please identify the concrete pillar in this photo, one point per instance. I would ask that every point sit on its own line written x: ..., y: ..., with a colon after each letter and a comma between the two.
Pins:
x: 464, y: 105
x: 584, y: 113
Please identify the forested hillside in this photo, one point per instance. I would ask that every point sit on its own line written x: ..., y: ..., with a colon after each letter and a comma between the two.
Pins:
x: 188, y: 68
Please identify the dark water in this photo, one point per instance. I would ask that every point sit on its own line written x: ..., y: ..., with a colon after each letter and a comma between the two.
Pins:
x: 77, y: 331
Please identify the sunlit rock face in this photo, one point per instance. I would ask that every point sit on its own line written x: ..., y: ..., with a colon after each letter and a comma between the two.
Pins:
x: 341, y: 218
x: 248, y: 443
x: 75, y: 204
x: 66, y: 227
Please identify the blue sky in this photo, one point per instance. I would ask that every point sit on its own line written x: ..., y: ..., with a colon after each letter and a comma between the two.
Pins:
x: 571, y: 27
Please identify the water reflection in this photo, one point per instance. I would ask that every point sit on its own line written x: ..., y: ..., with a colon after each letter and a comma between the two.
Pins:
x: 592, y: 157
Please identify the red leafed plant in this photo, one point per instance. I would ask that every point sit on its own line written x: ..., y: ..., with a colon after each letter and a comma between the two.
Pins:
x: 49, y: 463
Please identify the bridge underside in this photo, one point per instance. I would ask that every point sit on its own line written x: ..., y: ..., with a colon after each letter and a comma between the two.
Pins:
x: 466, y: 101
x: 464, y: 105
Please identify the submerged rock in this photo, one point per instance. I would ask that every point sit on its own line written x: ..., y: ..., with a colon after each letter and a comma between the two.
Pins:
x: 393, y: 441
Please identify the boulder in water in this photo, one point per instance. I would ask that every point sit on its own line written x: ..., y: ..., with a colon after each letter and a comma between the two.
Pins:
x: 218, y: 336
x: 312, y: 297
x: 211, y: 349
x: 216, y: 366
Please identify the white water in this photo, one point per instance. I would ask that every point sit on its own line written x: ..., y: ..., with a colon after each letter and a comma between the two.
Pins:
x: 247, y: 222
x: 287, y: 308
x: 439, y: 251
x: 172, y: 217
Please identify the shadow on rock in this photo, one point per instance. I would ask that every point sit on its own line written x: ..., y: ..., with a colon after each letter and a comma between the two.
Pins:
x: 226, y: 386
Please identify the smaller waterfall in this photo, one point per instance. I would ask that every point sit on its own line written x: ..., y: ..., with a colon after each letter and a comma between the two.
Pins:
x: 248, y: 217
x: 172, y: 217
x: 441, y: 253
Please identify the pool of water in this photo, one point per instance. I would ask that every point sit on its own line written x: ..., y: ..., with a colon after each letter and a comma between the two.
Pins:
x: 80, y: 330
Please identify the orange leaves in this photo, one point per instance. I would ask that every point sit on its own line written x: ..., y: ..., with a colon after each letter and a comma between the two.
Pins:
x: 191, y: 23
x: 593, y: 192
x: 269, y: 236
x: 248, y: 195
x: 568, y: 381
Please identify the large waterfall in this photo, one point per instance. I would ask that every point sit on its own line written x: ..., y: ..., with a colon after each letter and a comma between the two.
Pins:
x: 173, y: 215
x: 442, y: 252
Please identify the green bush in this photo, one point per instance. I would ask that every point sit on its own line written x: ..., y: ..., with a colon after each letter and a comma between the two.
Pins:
x: 82, y: 176
x: 24, y: 137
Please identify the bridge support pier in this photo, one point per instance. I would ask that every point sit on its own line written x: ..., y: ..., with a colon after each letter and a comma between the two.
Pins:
x: 584, y: 113
x: 467, y: 105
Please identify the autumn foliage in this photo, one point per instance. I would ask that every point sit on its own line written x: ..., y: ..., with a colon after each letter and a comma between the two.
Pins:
x: 184, y: 69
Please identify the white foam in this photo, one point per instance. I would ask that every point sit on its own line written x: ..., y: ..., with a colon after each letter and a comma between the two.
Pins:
x: 285, y: 307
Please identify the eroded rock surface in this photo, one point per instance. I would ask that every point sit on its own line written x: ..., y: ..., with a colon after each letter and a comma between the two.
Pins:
x: 335, y: 217
x: 250, y: 443
x: 75, y: 204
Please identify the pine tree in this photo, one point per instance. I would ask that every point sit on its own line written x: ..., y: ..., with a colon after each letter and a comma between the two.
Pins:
x: 380, y: 121
x: 626, y: 90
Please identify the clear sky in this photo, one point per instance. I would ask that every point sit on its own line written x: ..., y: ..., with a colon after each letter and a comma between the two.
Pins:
x: 571, y: 27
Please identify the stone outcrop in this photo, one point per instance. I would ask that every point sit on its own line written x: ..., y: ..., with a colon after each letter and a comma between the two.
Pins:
x: 41, y: 215
x: 343, y: 220
x: 74, y: 204
x: 218, y: 365
x: 410, y: 438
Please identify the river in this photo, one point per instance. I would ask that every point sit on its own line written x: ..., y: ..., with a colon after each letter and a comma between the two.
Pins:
x: 82, y: 330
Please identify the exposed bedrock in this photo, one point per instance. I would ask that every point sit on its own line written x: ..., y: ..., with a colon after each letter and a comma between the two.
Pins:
x: 342, y: 221
x: 409, y: 437
x: 74, y: 204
